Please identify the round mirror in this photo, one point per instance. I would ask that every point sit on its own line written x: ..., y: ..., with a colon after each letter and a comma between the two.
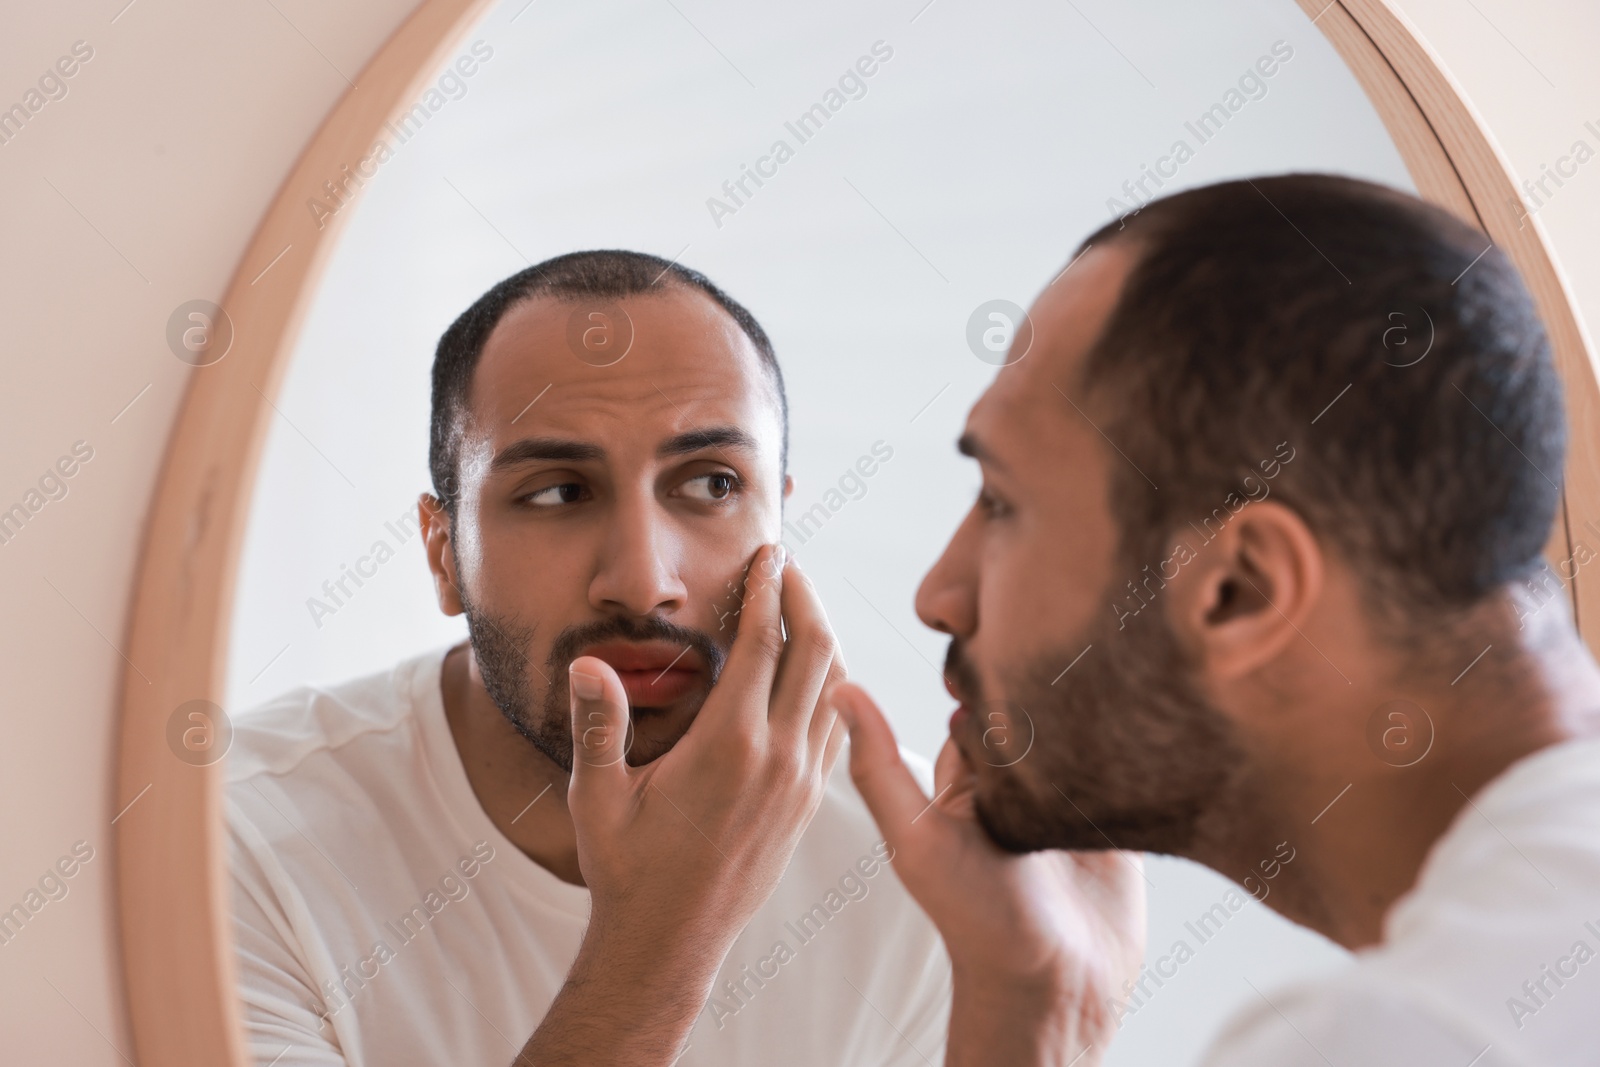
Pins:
x: 885, y: 191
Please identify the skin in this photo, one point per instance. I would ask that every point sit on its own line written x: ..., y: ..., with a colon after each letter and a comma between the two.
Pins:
x: 1283, y: 648
x: 677, y: 849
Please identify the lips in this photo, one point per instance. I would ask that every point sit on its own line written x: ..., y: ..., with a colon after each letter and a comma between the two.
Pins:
x: 653, y: 673
x: 959, y: 719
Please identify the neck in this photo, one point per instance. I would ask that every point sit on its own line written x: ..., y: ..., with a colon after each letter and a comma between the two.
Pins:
x: 1359, y: 789
x: 522, y: 791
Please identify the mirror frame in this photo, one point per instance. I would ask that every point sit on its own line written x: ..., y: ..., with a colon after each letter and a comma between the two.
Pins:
x: 171, y: 851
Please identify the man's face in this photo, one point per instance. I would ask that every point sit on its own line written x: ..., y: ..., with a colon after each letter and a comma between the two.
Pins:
x: 1081, y: 733
x: 611, y: 510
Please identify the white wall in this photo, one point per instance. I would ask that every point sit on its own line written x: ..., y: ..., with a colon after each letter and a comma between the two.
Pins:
x: 174, y: 136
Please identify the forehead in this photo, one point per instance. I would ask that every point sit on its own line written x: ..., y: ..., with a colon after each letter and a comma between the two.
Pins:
x: 687, y: 363
x: 1032, y: 402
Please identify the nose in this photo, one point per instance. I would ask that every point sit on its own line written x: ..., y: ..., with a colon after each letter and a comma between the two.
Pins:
x: 637, y: 572
x: 947, y: 599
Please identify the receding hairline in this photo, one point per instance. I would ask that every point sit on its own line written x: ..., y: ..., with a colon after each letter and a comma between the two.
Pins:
x: 667, y: 287
x: 602, y: 275
x: 663, y: 289
x: 1133, y: 250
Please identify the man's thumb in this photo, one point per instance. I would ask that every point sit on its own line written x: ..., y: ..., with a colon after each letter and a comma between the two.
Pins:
x: 601, y: 733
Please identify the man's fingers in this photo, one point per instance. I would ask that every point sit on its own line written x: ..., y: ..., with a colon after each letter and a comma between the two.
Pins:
x: 824, y: 721
x: 953, y: 780
x: 884, y: 781
x: 838, y: 732
x: 600, y: 725
x: 808, y: 659
x: 745, y: 685
x: 951, y: 770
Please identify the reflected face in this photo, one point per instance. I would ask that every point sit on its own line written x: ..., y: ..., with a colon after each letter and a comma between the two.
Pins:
x: 611, y: 510
x: 1082, y: 732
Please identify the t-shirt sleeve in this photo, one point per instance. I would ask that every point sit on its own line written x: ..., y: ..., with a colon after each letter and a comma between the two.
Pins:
x: 284, y: 1018
x: 1377, y: 1024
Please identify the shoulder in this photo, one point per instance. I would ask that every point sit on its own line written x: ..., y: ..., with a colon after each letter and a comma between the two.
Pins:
x: 1504, y: 914
x: 1353, y: 1018
x: 278, y: 737
x: 335, y: 760
x: 1518, y: 871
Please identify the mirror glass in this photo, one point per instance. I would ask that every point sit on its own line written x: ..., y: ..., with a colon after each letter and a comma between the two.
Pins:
x: 867, y: 220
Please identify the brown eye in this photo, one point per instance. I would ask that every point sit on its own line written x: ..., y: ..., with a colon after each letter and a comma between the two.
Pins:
x: 711, y: 487
x: 555, y: 495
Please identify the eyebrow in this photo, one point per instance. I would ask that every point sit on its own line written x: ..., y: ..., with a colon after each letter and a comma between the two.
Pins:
x: 717, y: 437
x: 535, y: 449
x: 567, y: 450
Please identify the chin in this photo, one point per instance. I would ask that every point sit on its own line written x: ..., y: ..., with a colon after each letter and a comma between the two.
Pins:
x: 1035, y: 836
x: 1011, y: 815
x: 657, y: 731
x: 1020, y: 820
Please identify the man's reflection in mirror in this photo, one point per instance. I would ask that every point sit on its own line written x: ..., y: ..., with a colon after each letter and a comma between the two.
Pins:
x: 609, y: 827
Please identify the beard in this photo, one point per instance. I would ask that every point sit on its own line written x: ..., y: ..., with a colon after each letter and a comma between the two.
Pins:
x: 1125, y: 752
x: 540, y: 711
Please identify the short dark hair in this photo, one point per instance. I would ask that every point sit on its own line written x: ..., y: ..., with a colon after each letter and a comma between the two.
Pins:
x: 1271, y: 310
x: 608, y: 274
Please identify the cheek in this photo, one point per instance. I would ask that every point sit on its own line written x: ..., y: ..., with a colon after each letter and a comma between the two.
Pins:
x: 511, y: 572
x: 1041, y: 596
x: 714, y: 577
x: 714, y: 552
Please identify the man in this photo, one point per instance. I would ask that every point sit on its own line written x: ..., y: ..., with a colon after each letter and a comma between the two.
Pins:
x: 602, y: 832
x: 1248, y: 582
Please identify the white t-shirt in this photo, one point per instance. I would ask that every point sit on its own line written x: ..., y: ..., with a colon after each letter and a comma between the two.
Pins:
x: 1509, y: 895
x: 382, y: 920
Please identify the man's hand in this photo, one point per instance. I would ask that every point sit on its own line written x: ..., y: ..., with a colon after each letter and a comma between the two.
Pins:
x: 679, y: 854
x: 1037, y: 942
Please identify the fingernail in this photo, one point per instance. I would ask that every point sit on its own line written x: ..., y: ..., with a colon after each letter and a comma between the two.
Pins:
x: 780, y: 556
x: 585, y: 686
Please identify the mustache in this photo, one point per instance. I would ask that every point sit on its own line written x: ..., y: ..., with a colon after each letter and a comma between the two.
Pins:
x: 570, y: 641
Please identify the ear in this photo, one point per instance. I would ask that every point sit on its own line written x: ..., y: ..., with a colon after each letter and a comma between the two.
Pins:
x: 434, y: 522
x: 1249, y: 590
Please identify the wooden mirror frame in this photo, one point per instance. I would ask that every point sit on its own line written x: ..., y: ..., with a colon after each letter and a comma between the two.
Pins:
x: 171, y: 850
